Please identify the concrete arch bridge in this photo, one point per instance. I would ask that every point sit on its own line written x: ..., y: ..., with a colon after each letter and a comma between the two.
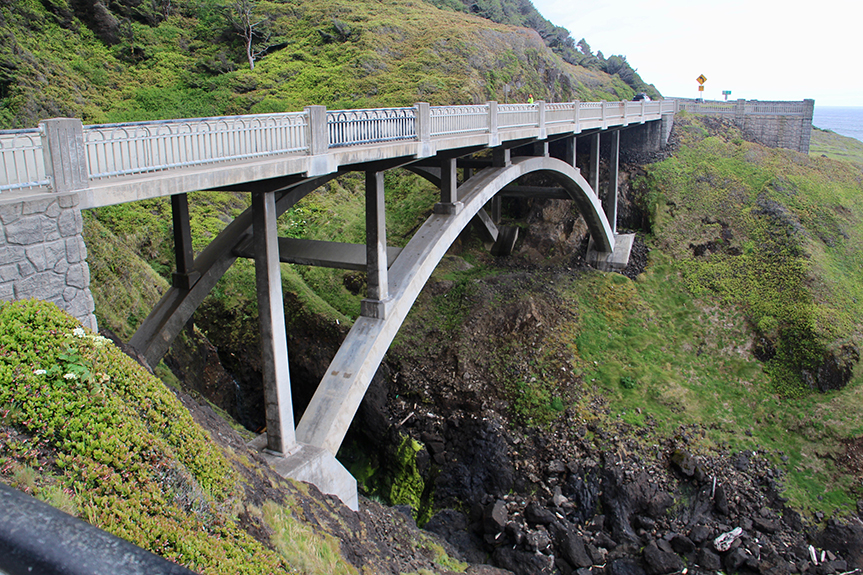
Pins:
x: 51, y: 173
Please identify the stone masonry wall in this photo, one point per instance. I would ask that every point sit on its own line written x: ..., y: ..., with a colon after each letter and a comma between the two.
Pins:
x: 43, y: 256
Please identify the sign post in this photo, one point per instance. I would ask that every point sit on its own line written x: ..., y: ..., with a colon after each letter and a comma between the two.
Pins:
x: 701, y: 79
x: 726, y: 93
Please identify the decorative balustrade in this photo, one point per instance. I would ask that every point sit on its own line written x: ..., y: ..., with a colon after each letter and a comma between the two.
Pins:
x: 355, y: 127
x: 560, y: 113
x: 105, y: 152
x: 517, y: 116
x: 451, y: 120
x: 23, y: 160
x: 141, y: 147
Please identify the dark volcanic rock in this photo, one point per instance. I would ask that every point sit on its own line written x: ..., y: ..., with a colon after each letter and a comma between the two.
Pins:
x: 523, y: 562
x: 479, y: 464
x: 708, y: 560
x: 495, y: 517
x: 845, y: 540
x: 624, y: 567
x: 453, y: 527
x: 659, y: 562
x: 536, y: 514
x: 571, y: 546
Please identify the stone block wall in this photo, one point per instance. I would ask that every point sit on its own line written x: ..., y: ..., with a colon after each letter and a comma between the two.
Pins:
x: 773, y: 124
x: 43, y: 256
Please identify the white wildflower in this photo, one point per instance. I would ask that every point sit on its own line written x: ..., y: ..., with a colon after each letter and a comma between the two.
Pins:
x: 40, y: 372
x: 78, y: 332
x: 70, y: 376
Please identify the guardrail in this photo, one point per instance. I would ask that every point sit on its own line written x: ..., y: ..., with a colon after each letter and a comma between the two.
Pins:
x: 40, y: 158
x: 141, y: 147
x: 36, y: 538
x: 23, y: 160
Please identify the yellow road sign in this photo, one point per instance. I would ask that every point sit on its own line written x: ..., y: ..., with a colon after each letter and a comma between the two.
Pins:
x: 701, y: 79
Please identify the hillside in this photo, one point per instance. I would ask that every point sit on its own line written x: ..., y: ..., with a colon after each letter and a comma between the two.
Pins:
x: 146, y: 61
x: 832, y: 145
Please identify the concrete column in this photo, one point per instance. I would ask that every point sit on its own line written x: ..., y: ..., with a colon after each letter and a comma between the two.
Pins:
x: 318, y: 137
x: 609, y: 204
x: 423, y: 128
x: 543, y: 134
x: 376, y: 248
x: 576, y: 116
x: 65, y: 155
x: 281, y: 436
x: 594, y: 163
x: 493, y: 136
x: 185, y: 276
x: 540, y: 148
x: 449, y: 203
x: 569, y: 150
x: 495, y: 208
x: 501, y: 157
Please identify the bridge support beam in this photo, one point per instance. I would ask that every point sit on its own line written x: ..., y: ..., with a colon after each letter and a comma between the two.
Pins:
x: 594, y: 162
x: 449, y: 203
x: 609, y: 201
x: 185, y: 276
x: 569, y: 150
x: 376, y: 249
x: 281, y: 437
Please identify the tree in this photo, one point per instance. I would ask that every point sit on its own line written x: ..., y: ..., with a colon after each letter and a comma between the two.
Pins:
x: 243, y: 20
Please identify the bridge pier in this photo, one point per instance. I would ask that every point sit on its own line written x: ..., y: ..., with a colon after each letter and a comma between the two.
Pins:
x: 185, y: 276
x: 271, y: 313
x: 609, y: 201
x: 375, y: 303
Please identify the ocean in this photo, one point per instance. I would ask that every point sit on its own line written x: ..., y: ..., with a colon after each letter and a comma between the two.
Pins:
x: 842, y: 120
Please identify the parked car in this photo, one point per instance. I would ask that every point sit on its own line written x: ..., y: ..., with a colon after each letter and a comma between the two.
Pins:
x: 641, y: 96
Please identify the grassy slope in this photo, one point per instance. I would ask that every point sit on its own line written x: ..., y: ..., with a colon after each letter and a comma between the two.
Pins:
x: 832, y: 145
x: 782, y: 265
x: 337, y: 53
x: 98, y: 437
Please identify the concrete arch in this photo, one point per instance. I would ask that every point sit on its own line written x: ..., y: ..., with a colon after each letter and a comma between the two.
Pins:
x: 334, y: 404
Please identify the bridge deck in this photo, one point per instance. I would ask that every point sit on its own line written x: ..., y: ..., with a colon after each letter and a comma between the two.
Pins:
x: 116, y: 163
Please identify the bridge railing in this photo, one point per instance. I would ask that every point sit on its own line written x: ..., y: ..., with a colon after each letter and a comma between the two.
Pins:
x: 63, y: 155
x: 451, y: 120
x: 23, y: 160
x: 356, y: 127
x: 560, y: 113
x: 517, y: 116
x: 141, y: 147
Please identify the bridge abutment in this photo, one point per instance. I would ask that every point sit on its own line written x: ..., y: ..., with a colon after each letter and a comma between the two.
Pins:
x: 43, y: 256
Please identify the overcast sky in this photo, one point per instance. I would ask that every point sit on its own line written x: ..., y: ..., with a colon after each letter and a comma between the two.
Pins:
x: 758, y: 49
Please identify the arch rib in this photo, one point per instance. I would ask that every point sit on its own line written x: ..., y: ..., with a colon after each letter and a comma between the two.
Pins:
x: 328, y: 416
